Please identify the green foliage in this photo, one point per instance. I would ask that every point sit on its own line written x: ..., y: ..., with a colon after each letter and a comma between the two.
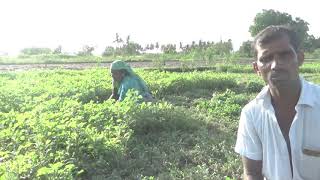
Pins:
x: 57, y: 50
x: 208, y: 51
x: 267, y: 18
x: 246, y: 50
x: 109, y: 51
x: 162, y: 117
x: 58, y: 124
x: 233, y: 68
x: 313, y: 67
x: 35, y: 51
x: 253, y: 86
x: 55, y: 58
x: 86, y: 51
x: 127, y: 48
x: 202, y: 51
x: 272, y: 17
x: 169, y: 49
x: 314, y: 55
x: 227, y: 104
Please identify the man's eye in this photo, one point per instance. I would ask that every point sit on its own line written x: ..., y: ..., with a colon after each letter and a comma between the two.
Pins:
x: 285, y: 54
x: 265, y: 59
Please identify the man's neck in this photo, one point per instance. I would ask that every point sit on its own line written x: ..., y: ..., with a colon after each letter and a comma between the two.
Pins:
x: 286, y: 96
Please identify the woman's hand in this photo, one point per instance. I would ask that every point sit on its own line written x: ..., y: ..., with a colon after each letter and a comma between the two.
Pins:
x: 114, y: 94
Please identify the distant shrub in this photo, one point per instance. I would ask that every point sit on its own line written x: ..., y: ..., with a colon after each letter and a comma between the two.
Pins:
x: 162, y: 117
x: 86, y: 51
x: 227, y: 104
x: 35, y: 51
x: 253, y: 86
x: 314, y: 55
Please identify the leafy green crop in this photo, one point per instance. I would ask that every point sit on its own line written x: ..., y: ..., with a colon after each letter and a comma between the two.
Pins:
x: 58, y: 124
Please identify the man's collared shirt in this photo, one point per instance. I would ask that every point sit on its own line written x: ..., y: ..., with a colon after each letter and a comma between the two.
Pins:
x: 260, y: 137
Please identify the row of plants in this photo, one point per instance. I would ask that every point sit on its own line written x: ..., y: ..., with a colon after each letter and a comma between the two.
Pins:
x: 58, y: 124
x: 22, y: 91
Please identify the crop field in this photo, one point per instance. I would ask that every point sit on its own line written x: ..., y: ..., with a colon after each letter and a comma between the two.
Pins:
x: 58, y: 124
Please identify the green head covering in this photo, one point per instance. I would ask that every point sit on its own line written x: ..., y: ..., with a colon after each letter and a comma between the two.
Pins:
x: 121, y: 65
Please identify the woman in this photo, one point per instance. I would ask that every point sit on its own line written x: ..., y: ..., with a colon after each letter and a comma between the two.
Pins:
x: 123, y: 79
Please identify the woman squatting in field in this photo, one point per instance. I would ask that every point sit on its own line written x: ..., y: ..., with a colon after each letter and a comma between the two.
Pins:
x: 124, y: 79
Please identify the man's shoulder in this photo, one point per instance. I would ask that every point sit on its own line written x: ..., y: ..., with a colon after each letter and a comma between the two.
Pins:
x: 314, y: 94
x: 313, y: 89
x: 256, y: 104
x: 253, y: 105
x: 313, y: 86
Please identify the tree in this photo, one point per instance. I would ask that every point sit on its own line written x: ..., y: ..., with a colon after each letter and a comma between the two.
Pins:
x: 169, y: 49
x: 267, y: 18
x: 180, y: 45
x: 229, y: 45
x: 222, y: 48
x: 200, y: 44
x: 311, y: 43
x: 118, y: 39
x: 316, y: 43
x: 57, y: 50
x: 272, y: 17
x: 193, y: 44
x: 128, y: 39
x: 35, y: 51
x: 147, y: 47
x: 86, y: 51
x: 301, y: 28
x: 108, y: 51
x: 246, y: 49
x: 151, y: 46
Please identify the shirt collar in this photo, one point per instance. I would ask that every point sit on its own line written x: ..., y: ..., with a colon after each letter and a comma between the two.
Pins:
x: 306, y: 94
x: 307, y: 97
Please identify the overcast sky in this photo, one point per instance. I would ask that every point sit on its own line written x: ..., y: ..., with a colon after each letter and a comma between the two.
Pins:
x: 74, y: 23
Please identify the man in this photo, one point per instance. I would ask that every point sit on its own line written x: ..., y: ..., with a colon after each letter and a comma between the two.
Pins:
x: 279, y: 131
x: 124, y: 79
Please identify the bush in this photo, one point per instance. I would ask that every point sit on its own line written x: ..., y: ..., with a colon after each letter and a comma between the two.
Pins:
x: 35, y: 51
x: 227, y: 104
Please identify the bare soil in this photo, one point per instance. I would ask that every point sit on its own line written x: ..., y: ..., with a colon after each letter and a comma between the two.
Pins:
x: 79, y: 66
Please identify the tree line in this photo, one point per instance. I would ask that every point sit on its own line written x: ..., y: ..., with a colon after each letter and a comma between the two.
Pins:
x: 124, y: 47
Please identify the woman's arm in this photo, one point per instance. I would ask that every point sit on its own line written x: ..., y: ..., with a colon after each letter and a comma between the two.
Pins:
x: 114, y: 94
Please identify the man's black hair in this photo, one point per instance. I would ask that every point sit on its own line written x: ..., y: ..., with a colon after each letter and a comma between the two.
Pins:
x: 273, y: 32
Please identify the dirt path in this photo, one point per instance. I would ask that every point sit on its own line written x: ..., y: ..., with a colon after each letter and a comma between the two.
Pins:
x: 79, y: 66
x: 134, y: 64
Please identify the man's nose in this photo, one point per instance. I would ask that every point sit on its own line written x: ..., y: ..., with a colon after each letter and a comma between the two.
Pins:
x: 277, y: 62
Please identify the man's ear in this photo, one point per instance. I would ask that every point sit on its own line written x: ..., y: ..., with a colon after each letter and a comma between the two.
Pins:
x: 300, y: 57
x: 255, y: 67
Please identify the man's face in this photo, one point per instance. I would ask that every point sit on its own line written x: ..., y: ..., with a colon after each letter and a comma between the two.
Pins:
x: 117, y: 75
x: 278, y: 62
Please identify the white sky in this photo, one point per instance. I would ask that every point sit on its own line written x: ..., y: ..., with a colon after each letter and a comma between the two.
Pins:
x: 74, y: 23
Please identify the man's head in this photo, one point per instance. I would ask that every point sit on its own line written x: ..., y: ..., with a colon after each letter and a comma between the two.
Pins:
x: 278, y: 56
x: 272, y: 32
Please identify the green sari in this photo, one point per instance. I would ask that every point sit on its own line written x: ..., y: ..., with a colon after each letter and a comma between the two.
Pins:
x: 130, y: 81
